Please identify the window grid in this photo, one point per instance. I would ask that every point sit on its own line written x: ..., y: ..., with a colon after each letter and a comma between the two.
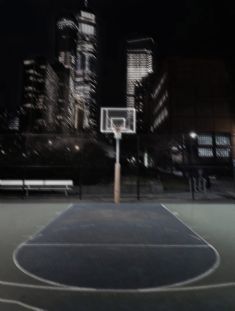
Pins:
x: 222, y: 140
x: 222, y: 152
x: 205, y: 152
x: 205, y: 140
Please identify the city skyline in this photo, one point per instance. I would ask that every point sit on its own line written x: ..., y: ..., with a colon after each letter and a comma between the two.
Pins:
x: 195, y: 28
x: 60, y: 95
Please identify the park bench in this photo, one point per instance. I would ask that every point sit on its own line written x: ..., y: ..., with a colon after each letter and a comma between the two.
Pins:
x: 37, y: 185
x: 10, y: 184
x: 48, y: 185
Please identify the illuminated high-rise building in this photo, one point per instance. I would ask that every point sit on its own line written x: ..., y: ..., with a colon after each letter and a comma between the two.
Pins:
x: 64, y: 113
x: 40, y: 95
x: 76, y: 50
x: 139, y: 64
x: 32, y: 109
x: 67, y: 32
x: 85, y: 74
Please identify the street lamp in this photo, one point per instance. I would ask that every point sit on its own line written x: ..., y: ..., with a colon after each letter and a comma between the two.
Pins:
x: 193, y: 135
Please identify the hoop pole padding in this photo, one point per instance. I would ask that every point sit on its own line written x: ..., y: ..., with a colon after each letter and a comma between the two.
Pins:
x: 117, y: 183
x: 117, y: 150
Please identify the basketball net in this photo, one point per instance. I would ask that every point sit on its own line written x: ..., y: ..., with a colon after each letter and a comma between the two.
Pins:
x: 117, y: 130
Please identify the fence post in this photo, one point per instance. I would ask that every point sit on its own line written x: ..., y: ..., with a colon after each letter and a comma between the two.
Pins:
x: 80, y: 175
x: 138, y: 168
x: 191, y: 186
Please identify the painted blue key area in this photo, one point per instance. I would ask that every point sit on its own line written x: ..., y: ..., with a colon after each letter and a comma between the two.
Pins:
x: 102, y: 246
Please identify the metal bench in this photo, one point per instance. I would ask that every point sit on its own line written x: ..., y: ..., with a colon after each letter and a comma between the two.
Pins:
x: 36, y: 185
x: 11, y: 184
x: 48, y: 185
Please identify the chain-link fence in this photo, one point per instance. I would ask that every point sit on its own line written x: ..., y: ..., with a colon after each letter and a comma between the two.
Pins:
x: 152, y: 166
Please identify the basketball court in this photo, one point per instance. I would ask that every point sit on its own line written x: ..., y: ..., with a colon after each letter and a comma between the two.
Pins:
x: 96, y: 256
x: 129, y: 256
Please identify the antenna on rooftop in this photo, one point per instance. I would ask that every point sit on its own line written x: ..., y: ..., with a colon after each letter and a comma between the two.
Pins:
x: 86, y: 3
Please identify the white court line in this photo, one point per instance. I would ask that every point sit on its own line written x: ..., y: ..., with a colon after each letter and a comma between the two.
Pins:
x: 116, y: 245
x: 21, y: 304
x: 168, y: 288
x: 14, y: 255
x: 217, y: 256
x: 131, y: 291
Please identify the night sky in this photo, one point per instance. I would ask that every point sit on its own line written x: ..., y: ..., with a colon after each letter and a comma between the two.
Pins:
x: 183, y: 28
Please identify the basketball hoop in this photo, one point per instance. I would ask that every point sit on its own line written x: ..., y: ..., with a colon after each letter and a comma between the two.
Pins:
x: 118, y: 121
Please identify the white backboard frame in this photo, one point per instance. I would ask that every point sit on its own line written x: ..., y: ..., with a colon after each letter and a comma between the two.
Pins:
x: 106, y: 123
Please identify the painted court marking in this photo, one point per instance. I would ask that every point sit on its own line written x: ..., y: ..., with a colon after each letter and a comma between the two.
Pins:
x: 62, y: 287
x: 21, y: 304
x: 116, y: 245
x: 131, y: 291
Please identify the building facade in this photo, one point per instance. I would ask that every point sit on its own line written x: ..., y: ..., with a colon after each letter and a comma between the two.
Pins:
x: 40, y: 96
x: 66, y: 40
x: 85, y: 73
x: 61, y: 96
x: 33, y: 110
x: 76, y: 50
x: 191, y: 95
x: 64, y: 112
x: 139, y: 65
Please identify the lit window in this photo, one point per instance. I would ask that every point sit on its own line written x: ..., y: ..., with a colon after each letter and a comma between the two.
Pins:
x: 28, y: 62
x: 205, y: 140
x: 88, y: 16
x: 87, y: 29
x: 222, y: 152
x: 222, y: 140
x: 66, y: 23
x: 205, y: 152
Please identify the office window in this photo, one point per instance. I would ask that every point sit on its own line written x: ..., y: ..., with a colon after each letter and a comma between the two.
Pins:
x: 205, y: 140
x: 205, y: 152
x: 222, y: 152
x: 222, y: 140
x: 87, y: 29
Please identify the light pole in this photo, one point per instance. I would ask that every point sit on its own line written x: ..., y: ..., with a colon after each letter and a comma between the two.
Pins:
x: 192, y: 136
x: 78, y: 152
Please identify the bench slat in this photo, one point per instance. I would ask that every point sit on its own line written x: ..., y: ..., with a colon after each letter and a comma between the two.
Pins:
x: 9, y: 182
x: 58, y: 183
x: 33, y: 182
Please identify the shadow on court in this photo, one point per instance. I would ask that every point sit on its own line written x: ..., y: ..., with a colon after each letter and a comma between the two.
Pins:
x: 105, y: 247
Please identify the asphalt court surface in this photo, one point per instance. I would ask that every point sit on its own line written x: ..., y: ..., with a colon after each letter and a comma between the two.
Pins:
x: 103, y: 246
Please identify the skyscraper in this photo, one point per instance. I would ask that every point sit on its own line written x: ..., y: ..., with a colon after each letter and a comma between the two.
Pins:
x: 67, y: 32
x: 67, y: 35
x: 76, y: 50
x: 85, y: 74
x: 64, y: 113
x: 139, y: 64
x: 40, y: 93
